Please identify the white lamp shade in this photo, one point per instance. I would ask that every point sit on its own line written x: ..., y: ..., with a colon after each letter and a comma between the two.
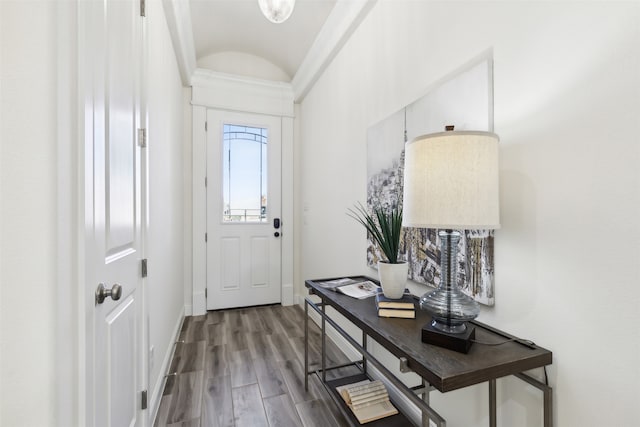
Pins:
x: 277, y: 11
x: 451, y: 181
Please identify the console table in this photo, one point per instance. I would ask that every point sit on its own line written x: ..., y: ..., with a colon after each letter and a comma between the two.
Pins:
x: 439, y: 368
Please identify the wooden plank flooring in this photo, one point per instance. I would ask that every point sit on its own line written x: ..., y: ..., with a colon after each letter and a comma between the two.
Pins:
x: 245, y: 367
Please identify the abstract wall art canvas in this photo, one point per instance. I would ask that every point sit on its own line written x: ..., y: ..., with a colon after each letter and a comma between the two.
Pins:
x: 465, y: 100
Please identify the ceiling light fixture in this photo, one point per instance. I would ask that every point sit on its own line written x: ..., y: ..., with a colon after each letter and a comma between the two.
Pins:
x: 277, y: 11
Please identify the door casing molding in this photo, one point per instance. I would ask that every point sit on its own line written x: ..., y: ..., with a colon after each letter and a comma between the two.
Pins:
x: 234, y: 93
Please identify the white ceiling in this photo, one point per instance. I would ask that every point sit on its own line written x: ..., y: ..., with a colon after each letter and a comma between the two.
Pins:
x: 302, y: 47
x: 239, y: 26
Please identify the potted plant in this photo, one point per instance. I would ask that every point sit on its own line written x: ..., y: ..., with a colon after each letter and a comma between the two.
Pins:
x: 385, y: 226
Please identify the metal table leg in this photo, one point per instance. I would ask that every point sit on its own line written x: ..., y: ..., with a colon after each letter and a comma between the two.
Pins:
x: 548, y: 407
x: 306, y: 345
x: 324, y: 344
x: 364, y: 345
x: 547, y: 397
x: 492, y: 403
x: 425, y: 397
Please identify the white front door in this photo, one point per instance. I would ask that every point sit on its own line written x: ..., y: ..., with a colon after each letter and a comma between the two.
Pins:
x: 112, y: 211
x: 243, y: 209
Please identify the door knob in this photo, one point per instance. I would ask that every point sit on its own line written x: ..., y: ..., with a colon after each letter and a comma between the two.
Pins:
x: 102, y: 293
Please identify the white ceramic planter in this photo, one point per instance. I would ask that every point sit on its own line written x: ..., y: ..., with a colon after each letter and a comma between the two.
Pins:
x: 393, y: 278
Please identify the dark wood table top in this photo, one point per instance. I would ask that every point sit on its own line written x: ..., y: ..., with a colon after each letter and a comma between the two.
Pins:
x: 445, y: 369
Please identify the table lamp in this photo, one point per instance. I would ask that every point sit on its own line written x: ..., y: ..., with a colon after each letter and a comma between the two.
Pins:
x: 451, y: 184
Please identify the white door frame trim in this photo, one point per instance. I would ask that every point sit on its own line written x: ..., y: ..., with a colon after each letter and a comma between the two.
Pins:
x: 69, y: 283
x: 233, y: 93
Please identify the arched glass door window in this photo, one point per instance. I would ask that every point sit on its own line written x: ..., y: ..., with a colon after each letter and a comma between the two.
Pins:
x: 244, y: 174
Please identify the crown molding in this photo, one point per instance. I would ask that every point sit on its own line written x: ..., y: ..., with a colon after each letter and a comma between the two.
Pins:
x: 213, y: 89
x: 178, y: 16
x: 345, y: 17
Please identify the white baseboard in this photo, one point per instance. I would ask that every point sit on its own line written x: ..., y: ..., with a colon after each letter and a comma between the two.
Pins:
x: 156, y: 395
x: 287, y: 294
x: 199, y: 304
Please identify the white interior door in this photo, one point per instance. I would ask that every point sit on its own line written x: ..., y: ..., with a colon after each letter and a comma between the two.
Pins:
x: 243, y: 209
x: 113, y: 206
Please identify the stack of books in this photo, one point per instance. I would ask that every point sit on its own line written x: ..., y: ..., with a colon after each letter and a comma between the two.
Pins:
x: 404, y: 307
x: 368, y: 400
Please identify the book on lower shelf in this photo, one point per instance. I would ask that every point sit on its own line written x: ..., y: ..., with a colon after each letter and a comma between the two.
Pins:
x: 368, y: 400
x: 404, y: 307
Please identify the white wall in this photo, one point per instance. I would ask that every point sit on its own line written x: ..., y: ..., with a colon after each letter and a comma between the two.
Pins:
x: 243, y: 64
x: 165, y: 242
x: 28, y: 197
x: 188, y: 200
x: 567, y: 109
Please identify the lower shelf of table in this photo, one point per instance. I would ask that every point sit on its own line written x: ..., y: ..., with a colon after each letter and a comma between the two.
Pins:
x: 398, y: 420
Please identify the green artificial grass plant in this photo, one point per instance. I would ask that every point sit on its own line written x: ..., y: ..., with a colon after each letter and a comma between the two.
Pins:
x: 385, y: 227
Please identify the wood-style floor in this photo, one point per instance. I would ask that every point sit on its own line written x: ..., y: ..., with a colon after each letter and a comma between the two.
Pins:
x: 245, y: 367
